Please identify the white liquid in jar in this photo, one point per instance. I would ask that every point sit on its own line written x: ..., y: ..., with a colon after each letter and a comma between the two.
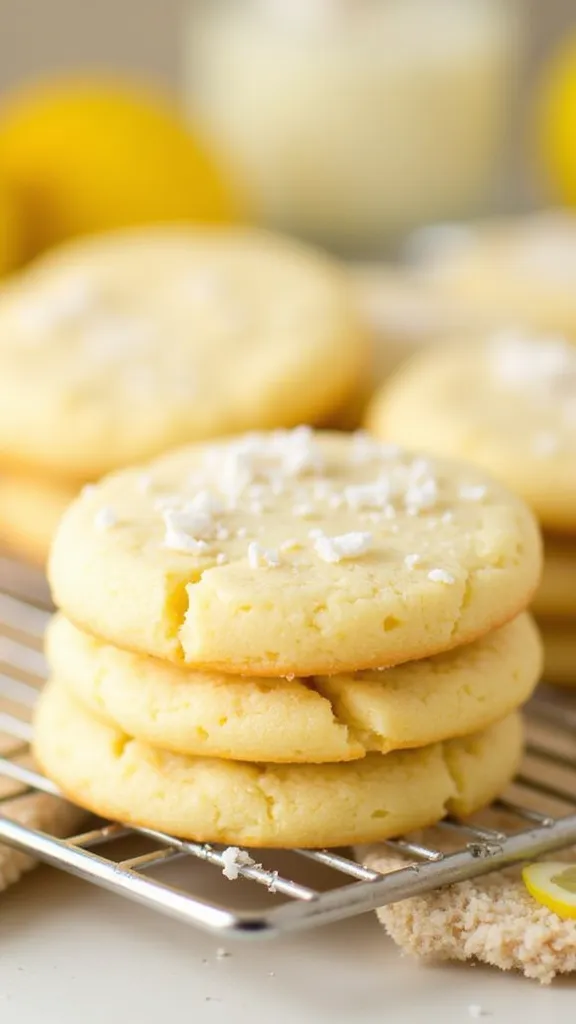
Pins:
x: 351, y: 121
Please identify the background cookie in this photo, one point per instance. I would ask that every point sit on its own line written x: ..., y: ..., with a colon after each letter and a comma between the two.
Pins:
x: 268, y: 805
x: 119, y: 347
x: 508, y: 406
x: 30, y: 510
x: 317, y: 719
x: 519, y: 270
x: 295, y: 553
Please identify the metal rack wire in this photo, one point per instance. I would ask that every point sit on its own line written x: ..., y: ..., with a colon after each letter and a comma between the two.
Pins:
x: 539, y: 816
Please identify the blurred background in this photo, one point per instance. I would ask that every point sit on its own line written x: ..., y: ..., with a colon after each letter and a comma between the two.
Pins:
x: 346, y: 122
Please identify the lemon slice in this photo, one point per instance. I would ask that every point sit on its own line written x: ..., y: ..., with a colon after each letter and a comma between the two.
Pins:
x: 553, y: 884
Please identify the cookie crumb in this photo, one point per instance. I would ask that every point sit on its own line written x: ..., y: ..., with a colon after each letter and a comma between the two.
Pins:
x: 234, y: 858
x: 273, y: 881
x: 475, y: 1011
x: 222, y: 954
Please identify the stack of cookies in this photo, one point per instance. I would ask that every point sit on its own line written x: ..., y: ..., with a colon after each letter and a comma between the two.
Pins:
x: 116, y: 348
x: 226, y: 616
x: 508, y: 405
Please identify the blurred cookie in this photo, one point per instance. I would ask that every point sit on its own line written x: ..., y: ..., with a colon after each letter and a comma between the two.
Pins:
x: 119, y: 347
x: 518, y: 270
x: 508, y: 405
x: 211, y: 800
x: 295, y: 553
x: 317, y: 719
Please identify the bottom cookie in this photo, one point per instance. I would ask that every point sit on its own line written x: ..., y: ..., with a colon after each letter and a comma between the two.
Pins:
x: 559, y: 652
x: 248, y: 804
x: 30, y: 511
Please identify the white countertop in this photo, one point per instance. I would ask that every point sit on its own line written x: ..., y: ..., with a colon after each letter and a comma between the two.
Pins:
x: 71, y: 953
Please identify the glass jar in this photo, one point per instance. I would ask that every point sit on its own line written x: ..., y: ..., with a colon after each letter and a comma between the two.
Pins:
x: 349, y: 122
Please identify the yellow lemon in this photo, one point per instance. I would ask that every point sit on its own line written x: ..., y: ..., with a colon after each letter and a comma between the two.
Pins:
x: 11, y: 227
x: 556, y: 121
x: 553, y: 884
x: 89, y: 155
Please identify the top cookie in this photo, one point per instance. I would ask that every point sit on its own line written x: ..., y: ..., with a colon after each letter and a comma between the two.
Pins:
x: 519, y: 270
x: 114, y: 349
x: 508, y: 405
x: 294, y: 553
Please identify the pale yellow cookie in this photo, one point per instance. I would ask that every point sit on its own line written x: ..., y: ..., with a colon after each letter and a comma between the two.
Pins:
x: 318, y: 719
x: 30, y: 510
x: 508, y: 405
x: 559, y: 641
x: 295, y: 553
x: 519, y: 270
x: 116, y: 348
x: 556, y: 595
x: 211, y: 800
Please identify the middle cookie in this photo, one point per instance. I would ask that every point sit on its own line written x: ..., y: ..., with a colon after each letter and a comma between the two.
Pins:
x: 314, y: 720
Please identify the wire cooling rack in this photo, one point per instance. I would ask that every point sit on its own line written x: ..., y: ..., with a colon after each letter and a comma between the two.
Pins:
x: 539, y: 814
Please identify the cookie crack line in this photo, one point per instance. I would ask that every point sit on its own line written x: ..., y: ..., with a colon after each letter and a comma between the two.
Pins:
x: 410, y: 586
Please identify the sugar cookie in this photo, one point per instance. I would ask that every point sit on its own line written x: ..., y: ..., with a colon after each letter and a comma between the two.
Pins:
x: 295, y: 553
x: 116, y: 348
x: 236, y: 802
x: 508, y: 405
x: 318, y: 719
x: 520, y: 270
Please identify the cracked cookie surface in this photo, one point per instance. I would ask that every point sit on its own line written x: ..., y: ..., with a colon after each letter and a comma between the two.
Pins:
x: 235, y: 802
x: 316, y: 719
x: 295, y: 553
